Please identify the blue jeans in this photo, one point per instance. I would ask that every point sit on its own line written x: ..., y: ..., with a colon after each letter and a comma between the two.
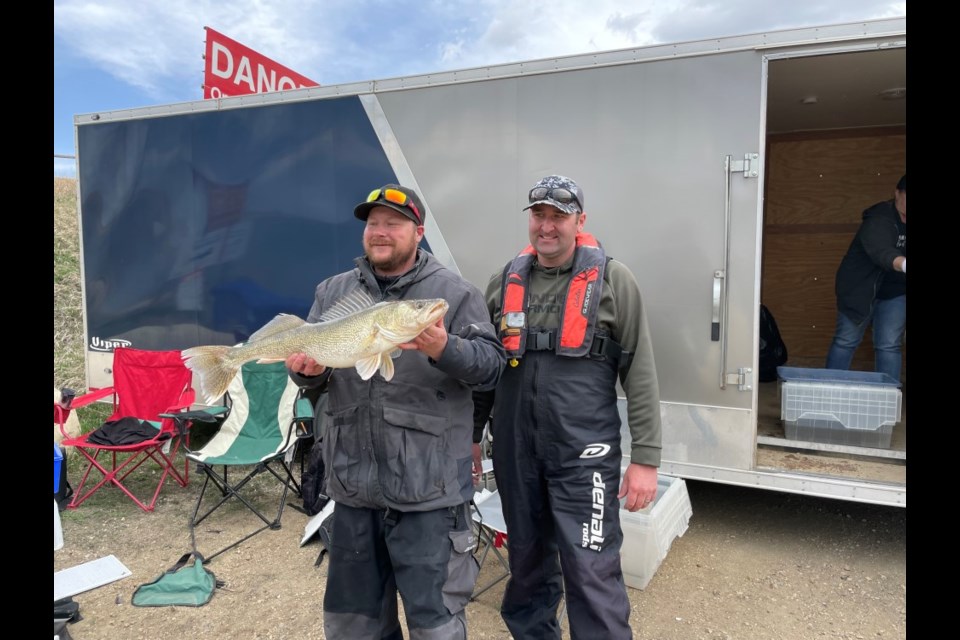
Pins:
x: 889, y: 319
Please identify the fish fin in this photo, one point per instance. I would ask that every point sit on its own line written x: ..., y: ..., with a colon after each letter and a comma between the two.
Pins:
x: 279, y: 324
x: 270, y: 360
x: 392, y: 336
x: 368, y: 366
x: 386, y: 368
x: 214, y: 369
x: 354, y: 302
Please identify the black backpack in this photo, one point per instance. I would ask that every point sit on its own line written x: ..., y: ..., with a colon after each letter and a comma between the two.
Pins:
x: 773, y: 351
x: 311, y: 483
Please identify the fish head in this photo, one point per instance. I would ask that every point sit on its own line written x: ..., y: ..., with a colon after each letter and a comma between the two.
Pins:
x: 411, y: 317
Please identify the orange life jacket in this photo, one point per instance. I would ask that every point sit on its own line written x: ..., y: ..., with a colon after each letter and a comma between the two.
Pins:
x: 578, y: 318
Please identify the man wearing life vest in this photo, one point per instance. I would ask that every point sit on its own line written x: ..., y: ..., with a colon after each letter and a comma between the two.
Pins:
x: 572, y: 322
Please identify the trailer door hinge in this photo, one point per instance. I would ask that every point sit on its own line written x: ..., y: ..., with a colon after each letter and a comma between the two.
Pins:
x: 750, y: 165
x: 743, y: 379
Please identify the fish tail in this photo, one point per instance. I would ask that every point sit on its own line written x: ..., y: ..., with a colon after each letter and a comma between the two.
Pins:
x: 213, y: 366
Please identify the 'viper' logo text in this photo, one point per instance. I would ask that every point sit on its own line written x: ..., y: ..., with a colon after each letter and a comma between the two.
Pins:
x: 99, y: 344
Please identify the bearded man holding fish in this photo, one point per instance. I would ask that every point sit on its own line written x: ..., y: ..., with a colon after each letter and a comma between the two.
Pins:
x: 397, y: 446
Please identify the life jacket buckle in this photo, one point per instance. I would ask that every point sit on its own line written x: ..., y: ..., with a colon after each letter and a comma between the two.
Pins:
x: 541, y: 341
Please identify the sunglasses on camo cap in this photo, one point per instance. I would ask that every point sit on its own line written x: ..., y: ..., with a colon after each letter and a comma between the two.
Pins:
x: 558, y: 194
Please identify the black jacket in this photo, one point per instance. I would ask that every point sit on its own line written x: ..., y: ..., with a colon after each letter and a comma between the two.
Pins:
x: 869, y: 261
x: 405, y: 444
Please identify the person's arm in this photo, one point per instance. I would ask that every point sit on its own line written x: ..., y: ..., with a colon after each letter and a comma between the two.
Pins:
x: 639, y: 381
x: 482, y: 407
x: 483, y: 400
x: 878, y: 236
x: 641, y: 387
x: 473, y: 353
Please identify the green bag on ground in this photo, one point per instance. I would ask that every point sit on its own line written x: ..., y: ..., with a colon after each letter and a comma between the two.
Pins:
x: 184, y: 585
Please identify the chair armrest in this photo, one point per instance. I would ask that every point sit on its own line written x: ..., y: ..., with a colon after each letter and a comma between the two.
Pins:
x: 61, y: 410
x: 303, y: 409
x: 177, y: 412
x: 60, y: 414
x: 210, y: 414
x: 304, y: 418
x: 187, y: 398
x: 66, y: 397
x: 182, y: 419
x: 91, y: 397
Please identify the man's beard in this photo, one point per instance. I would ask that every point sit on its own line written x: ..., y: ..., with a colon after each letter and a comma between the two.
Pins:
x: 398, y: 257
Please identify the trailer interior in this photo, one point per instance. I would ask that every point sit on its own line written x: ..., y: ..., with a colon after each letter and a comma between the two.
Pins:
x: 836, y: 144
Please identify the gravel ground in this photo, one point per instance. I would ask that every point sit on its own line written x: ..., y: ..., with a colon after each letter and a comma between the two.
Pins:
x: 753, y: 564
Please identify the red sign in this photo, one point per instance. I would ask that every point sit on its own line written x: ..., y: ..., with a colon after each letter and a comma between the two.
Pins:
x: 231, y: 69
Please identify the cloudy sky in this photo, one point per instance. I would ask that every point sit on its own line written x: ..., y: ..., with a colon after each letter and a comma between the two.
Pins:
x: 117, y: 54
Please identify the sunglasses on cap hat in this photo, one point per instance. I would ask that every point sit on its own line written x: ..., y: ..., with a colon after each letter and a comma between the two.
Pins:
x: 558, y: 194
x: 396, y: 197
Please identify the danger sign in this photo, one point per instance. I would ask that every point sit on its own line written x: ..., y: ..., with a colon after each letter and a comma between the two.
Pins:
x: 232, y: 69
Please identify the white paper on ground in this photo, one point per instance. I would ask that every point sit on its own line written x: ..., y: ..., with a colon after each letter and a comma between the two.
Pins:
x: 489, y: 510
x: 479, y: 497
x: 57, y: 530
x: 87, y: 576
x: 313, y: 524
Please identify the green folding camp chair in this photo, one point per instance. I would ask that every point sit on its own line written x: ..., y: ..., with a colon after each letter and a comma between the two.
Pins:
x: 268, y: 416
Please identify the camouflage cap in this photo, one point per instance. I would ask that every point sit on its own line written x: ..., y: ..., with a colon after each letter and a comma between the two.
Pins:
x: 556, y: 191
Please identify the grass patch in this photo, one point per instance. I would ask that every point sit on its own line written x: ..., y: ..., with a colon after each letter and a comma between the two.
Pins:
x: 93, y: 415
x: 68, y: 340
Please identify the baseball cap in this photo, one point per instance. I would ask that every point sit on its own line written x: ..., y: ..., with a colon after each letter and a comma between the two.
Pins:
x: 400, y: 199
x: 557, y: 191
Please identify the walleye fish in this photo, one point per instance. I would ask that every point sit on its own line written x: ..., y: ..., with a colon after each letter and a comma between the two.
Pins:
x: 355, y: 332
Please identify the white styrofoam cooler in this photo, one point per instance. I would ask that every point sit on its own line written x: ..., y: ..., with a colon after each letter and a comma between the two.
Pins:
x: 648, y: 533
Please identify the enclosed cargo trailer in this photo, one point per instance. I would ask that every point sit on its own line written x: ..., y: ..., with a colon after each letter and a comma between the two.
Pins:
x: 723, y: 172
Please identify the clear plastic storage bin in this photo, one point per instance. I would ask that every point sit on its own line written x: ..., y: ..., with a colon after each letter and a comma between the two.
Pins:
x: 833, y: 406
x: 648, y: 534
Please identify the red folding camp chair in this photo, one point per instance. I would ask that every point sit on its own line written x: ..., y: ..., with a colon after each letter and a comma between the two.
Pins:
x: 145, y: 385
